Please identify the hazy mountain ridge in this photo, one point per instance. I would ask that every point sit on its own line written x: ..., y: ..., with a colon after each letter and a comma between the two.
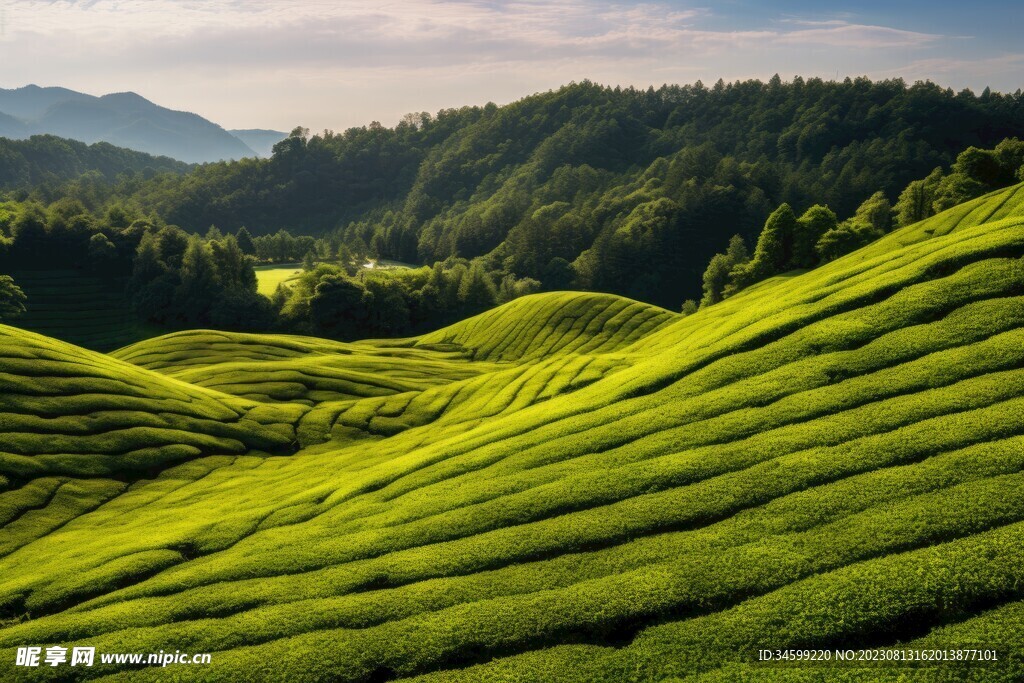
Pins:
x: 123, y: 119
x: 260, y: 140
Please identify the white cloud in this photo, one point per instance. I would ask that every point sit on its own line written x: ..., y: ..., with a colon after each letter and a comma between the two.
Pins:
x: 813, y: 22
x: 842, y: 34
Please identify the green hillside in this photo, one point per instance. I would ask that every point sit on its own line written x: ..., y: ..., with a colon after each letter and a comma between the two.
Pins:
x: 79, y: 426
x: 571, y: 487
x: 545, y: 324
x: 286, y: 368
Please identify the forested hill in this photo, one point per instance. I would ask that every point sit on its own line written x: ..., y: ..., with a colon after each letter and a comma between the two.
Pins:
x: 652, y: 182
x: 47, y: 160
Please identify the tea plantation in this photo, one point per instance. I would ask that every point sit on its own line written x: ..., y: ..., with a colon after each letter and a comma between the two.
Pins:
x: 571, y: 487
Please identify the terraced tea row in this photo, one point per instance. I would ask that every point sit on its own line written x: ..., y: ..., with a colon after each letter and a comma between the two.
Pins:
x: 78, y: 424
x: 66, y: 410
x: 465, y: 403
x: 414, y: 382
x: 541, y: 325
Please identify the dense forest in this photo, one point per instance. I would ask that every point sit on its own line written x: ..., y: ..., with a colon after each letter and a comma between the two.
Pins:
x: 175, y: 279
x: 46, y: 163
x: 636, y: 189
x: 619, y: 190
x: 788, y: 243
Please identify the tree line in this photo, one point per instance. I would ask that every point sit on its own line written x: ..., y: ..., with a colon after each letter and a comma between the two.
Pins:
x: 179, y: 279
x: 787, y: 242
x: 586, y: 187
x: 634, y: 189
x: 175, y: 279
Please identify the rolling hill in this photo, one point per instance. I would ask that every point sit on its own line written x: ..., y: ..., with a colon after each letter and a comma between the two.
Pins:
x: 571, y: 487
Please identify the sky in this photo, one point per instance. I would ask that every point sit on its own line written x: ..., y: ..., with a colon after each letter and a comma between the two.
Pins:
x: 336, y: 64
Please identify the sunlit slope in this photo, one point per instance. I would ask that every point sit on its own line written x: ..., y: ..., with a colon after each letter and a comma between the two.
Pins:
x: 544, y: 324
x: 791, y: 293
x: 285, y: 368
x: 461, y: 374
x: 995, y: 206
x: 458, y: 405
x: 78, y: 426
x: 831, y: 459
x: 66, y: 410
x: 202, y: 348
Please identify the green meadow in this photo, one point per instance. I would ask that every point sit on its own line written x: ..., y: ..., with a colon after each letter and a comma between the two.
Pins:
x: 268, y: 278
x: 569, y: 487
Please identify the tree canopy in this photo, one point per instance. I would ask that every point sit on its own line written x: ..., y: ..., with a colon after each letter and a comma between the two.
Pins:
x: 634, y: 188
x: 587, y: 187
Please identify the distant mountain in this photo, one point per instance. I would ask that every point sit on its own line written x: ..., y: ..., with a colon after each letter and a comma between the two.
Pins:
x: 11, y: 127
x: 31, y: 102
x: 122, y: 119
x: 260, y: 139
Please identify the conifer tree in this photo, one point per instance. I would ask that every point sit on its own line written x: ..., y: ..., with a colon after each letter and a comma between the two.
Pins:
x: 199, y: 283
x: 476, y: 290
x: 773, y: 253
x: 234, y: 271
x: 917, y: 200
x: 716, y: 278
x: 737, y: 251
x: 147, y: 265
x: 810, y: 227
x: 245, y: 242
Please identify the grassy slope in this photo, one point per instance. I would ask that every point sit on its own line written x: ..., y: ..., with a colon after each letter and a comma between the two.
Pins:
x: 461, y: 374
x: 829, y: 459
x: 541, y: 325
x: 79, y: 427
x: 286, y: 368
